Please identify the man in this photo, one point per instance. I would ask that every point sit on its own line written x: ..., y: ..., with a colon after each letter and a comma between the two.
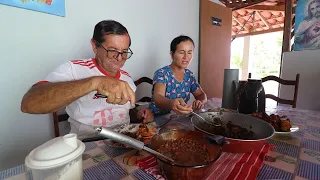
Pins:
x: 75, y: 85
x: 308, y: 32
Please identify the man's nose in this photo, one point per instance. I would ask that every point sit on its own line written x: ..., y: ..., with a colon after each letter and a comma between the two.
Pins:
x: 119, y: 57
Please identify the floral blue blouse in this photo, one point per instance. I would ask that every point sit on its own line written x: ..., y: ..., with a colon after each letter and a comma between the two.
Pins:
x: 174, y: 88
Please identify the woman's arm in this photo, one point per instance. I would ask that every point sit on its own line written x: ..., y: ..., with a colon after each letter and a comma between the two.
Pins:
x: 201, y: 99
x: 200, y: 95
x: 159, y: 97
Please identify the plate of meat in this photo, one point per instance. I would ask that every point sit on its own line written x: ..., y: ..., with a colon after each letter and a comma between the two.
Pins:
x: 281, y: 124
x: 141, y: 132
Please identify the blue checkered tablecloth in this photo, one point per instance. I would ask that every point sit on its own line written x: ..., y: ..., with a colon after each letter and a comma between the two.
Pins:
x: 294, y: 157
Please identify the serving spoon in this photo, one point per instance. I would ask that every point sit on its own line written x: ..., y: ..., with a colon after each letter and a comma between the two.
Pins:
x: 217, y: 125
x: 127, y: 140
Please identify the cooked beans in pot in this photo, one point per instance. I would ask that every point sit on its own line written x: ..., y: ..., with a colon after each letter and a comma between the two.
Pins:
x: 186, y: 152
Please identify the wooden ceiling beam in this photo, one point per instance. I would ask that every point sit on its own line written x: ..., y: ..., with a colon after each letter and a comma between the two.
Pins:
x: 249, y: 14
x: 266, y: 8
x: 260, y: 32
x: 263, y: 19
x: 271, y: 25
x: 252, y: 29
x: 240, y: 23
x: 239, y: 4
x: 246, y: 4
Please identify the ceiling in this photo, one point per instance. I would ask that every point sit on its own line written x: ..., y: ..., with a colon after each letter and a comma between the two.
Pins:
x: 252, y: 17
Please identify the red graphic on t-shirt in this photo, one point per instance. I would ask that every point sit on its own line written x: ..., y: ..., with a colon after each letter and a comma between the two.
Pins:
x: 121, y: 116
x: 103, y: 117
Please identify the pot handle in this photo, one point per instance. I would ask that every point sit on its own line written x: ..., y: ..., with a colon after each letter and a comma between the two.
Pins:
x: 220, y: 140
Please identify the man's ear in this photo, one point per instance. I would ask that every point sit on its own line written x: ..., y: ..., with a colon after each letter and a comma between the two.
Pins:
x: 94, y: 46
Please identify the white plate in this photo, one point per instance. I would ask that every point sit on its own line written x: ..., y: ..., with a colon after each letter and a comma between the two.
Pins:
x: 293, y: 129
x: 132, y: 128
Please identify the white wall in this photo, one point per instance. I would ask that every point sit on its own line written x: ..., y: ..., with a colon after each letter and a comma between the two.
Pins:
x: 34, y: 43
x: 307, y: 64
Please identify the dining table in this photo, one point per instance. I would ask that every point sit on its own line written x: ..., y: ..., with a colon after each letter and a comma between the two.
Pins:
x: 292, y: 156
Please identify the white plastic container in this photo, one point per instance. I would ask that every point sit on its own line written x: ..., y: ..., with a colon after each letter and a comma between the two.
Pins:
x: 57, y: 159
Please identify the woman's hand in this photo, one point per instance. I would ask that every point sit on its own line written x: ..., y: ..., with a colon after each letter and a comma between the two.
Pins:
x: 196, y: 105
x: 180, y: 107
x: 146, y: 115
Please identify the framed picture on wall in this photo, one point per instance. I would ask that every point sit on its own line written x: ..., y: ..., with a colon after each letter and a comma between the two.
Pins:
x: 55, y: 7
x: 307, y: 25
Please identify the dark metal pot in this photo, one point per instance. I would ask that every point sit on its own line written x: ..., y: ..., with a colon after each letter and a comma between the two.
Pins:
x: 262, y: 130
x: 182, y: 172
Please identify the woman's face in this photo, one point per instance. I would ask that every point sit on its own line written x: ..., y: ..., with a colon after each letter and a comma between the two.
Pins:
x: 107, y: 60
x: 183, y: 54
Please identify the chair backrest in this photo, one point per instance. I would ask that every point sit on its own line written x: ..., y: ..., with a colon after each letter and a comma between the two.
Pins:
x: 144, y: 80
x: 57, y: 118
x: 294, y: 83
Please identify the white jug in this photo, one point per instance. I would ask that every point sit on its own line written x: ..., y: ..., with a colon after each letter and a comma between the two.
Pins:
x: 57, y: 159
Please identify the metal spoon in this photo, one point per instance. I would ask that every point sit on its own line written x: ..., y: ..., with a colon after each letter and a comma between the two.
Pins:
x: 217, y: 125
x: 127, y: 140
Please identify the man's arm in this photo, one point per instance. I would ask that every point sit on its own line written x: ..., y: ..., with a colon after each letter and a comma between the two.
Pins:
x: 47, y: 98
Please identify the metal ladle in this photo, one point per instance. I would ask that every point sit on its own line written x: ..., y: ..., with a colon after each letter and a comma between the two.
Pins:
x: 127, y: 140
x: 217, y: 125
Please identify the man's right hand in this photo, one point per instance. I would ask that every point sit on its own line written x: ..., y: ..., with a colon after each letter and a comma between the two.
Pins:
x: 117, y: 91
x: 180, y: 107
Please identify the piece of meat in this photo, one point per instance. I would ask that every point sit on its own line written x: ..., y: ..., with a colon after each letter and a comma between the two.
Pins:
x: 285, y: 125
x: 276, y: 126
x: 275, y: 118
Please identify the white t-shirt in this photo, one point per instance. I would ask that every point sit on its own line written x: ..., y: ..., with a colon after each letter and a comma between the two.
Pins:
x: 89, y: 109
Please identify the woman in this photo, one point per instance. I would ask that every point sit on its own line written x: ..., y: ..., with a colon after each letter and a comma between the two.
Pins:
x: 173, y: 84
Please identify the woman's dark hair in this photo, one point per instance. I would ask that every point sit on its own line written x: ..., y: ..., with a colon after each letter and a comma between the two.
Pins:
x: 107, y: 27
x: 178, y: 40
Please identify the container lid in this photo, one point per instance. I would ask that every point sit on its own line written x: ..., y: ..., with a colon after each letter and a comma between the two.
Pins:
x: 55, y: 152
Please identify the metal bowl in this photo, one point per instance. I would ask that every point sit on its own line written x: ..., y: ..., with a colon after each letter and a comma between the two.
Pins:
x: 175, y: 171
x: 262, y: 130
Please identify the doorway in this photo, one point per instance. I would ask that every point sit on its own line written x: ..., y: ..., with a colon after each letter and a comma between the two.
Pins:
x: 259, y: 55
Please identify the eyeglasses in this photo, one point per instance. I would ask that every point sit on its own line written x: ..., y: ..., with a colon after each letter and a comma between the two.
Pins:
x: 115, y: 54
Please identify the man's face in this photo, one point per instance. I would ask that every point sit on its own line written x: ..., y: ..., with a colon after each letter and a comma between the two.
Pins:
x: 315, y: 9
x: 105, y: 55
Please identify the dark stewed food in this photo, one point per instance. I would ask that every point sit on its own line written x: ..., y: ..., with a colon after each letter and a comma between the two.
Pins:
x: 186, y: 152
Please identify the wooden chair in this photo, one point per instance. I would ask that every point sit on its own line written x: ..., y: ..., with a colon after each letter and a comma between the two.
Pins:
x: 144, y: 80
x: 57, y: 118
x: 294, y: 83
